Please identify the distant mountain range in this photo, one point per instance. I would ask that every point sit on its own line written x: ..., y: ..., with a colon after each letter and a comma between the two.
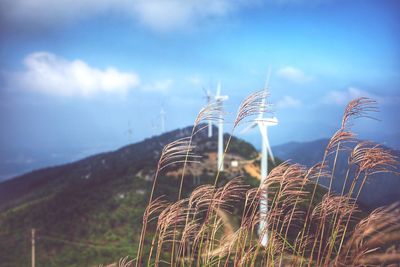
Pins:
x: 380, y: 190
x: 132, y: 159
x: 15, y: 162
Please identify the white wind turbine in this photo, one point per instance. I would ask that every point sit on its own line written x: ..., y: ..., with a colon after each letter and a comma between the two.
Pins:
x: 263, y: 124
x: 208, y: 97
x: 220, y: 99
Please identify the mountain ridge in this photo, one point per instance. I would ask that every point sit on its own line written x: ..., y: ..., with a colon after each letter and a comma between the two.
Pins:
x: 127, y: 159
x: 380, y: 189
x: 100, y: 200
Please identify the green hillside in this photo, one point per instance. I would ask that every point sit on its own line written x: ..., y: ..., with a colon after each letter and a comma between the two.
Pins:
x: 89, y: 212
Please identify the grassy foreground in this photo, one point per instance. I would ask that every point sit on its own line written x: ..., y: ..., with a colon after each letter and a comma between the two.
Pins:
x: 303, y: 229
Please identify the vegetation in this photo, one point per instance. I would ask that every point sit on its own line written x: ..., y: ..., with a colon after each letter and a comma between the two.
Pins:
x: 302, y: 229
x: 90, y: 212
x: 84, y: 221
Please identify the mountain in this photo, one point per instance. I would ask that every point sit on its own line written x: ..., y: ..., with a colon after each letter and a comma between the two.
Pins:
x: 380, y: 190
x: 17, y: 161
x: 89, y: 212
x: 138, y: 158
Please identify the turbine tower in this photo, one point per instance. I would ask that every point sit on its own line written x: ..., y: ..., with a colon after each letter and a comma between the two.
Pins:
x: 263, y: 124
x: 220, y: 99
x: 162, y: 120
x: 208, y: 96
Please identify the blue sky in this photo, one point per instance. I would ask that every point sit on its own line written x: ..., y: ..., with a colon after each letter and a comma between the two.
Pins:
x: 76, y: 76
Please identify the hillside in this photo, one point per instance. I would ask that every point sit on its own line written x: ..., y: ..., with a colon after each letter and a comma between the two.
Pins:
x: 381, y: 189
x: 89, y: 212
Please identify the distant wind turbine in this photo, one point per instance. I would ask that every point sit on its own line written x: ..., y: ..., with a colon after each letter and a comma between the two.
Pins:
x: 208, y: 96
x: 263, y: 124
x: 220, y: 99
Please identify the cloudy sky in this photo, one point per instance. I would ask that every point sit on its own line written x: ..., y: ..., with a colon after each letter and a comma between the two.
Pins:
x: 79, y: 77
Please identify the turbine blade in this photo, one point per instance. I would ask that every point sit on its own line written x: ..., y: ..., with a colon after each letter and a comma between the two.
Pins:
x: 248, y: 128
x: 265, y: 89
x: 268, y: 77
x: 270, y: 153
x: 264, y: 133
x: 218, y: 89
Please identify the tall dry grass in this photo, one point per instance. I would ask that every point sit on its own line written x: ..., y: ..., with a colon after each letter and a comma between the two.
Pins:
x: 304, y: 228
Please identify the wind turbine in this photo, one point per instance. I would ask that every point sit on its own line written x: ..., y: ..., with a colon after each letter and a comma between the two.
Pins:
x: 263, y: 124
x: 208, y: 97
x: 220, y: 99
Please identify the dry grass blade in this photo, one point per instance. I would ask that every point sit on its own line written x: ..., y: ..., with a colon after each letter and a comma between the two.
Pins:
x: 155, y: 206
x: 125, y: 262
x: 212, y: 112
x: 227, y: 243
x: 331, y: 204
x: 173, y: 215
x: 390, y: 259
x: 254, y: 104
x: 358, y: 108
x: 288, y: 182
x: 339, y: 137
x: 373, y: 158
x: 201, y: 198
x: 190, y: 231
x: 179, y: 151
x: 317, y: 171
x: 225, y: 197
x: 374, y: 241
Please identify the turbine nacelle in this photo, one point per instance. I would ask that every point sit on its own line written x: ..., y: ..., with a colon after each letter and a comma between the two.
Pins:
x: 221, y: 98
x: 218, y: 96
x: 267, y: 121
x: 261, y: 122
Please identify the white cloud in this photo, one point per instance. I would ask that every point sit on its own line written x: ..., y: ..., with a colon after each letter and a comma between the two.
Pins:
x: 294, y: 75
x: 289, y: 102
x: 164, y: 15
x: 341, y: 98
x: 48, y: 73
x: 160, y: 86
x: 158, y: 14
